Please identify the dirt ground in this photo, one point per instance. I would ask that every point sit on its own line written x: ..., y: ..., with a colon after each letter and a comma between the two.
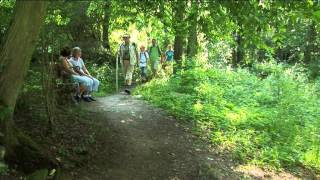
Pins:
x: 141, y: 142
x: 121, y: 137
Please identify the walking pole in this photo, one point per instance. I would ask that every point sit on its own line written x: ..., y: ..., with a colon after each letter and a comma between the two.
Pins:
x: 117, y: 69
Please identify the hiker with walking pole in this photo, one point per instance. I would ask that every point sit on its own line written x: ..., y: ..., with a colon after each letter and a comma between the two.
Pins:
x: 128, y: 56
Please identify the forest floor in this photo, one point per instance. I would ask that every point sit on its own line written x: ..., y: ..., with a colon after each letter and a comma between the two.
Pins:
x: 121, y: 137
x: 138, y: 141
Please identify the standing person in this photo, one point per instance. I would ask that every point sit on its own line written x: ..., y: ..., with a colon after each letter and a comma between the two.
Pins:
x: 155, y: 56
x: 81, y: 69
x: 169, y: 60
x: 144, y: 58
x: 129, y: 58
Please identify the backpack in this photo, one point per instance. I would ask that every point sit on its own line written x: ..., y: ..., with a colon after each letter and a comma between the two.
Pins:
x: 144, y: 53
x: 159, y: 51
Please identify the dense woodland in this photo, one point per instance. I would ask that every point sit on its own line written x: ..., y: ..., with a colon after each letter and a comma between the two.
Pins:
x: 246, y: 74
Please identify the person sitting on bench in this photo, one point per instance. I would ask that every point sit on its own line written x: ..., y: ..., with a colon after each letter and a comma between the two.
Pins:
x: 67, y: 69
x: 80, y: 68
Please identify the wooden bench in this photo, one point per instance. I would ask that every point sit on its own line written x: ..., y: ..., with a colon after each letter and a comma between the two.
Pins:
x: 65, y: 88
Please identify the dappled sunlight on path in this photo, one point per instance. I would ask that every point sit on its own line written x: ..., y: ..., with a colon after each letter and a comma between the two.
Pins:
x: 144, y: 142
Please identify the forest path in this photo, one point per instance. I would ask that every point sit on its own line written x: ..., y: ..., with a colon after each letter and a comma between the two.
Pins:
x: 142, y: 142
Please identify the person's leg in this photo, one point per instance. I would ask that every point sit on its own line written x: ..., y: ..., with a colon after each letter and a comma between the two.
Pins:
x: 96, y: 84
x: 171, y: 67
x: 82, y: 89
x: 155, y: 68
x: 84, y: 82
x: 77, y: 89
x: 126, y: 64
x: 129, y: 74
x: 151, y: 67
x: 165, y: 67
x: 143, y: 74
x: 76, y: 94
x: 88, y: 82
x: 129, y: 78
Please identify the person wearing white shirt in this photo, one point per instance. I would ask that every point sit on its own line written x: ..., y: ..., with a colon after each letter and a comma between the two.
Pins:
x: 144, y: 58
x: 80, y: 68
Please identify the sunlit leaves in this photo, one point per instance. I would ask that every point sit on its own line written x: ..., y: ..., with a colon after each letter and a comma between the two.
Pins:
x: 271, y: 121
x: 56, y: 18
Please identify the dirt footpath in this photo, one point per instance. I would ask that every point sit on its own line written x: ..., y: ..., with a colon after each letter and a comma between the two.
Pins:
x: 140, y: 142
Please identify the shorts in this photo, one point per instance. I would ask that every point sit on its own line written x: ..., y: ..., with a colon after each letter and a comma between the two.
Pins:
x: 155, y: 65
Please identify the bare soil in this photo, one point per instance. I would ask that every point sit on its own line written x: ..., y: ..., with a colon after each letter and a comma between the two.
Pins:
x: 121, y: 137
x: 140, y: 142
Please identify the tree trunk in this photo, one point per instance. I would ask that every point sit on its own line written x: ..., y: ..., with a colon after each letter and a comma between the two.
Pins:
x: 106, y: 24
x: 178, y: 25
x: 238, y: 52
x: 166, y: 23
x: 15, y: 56
x: 310, y: 48
x: 192, y: 47
x: 310, y: 41
x: 48, y: 81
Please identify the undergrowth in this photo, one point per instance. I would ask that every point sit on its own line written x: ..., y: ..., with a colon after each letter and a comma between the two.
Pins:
x: 271, y: 120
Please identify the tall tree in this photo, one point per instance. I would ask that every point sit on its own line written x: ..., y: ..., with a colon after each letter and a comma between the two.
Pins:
x: 106, y: 24
x: 310, y: 41
x: 238, y: 51
x: 179, y: 28
x: 15, y: 56
x: 193, y: 29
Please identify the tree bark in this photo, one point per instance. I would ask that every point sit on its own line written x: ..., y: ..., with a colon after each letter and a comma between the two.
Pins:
x: 178, y: 25
x: 238, y: 51
x: 15, y: 56
x: 310, y: 42
x: 48, y: 81
x: 309, y: 49
x: 106, y: 24
x: 192, y: 47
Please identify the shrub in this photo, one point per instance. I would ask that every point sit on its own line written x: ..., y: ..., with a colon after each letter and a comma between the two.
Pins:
x: 270, y: 121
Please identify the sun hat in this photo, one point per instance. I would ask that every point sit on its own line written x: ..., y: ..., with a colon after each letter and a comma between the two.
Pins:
x: 126, y: 36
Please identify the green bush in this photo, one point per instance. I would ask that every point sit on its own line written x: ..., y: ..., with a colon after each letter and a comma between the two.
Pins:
x: 106, y: 75
x: 271, y: 121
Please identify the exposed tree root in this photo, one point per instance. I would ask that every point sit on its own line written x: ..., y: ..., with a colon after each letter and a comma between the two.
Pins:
x: 27, y: 155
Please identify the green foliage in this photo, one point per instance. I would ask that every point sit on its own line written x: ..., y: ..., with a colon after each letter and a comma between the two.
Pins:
x: 272, y: 121
x: 106, y: 76
x: 266, y: 114
x: 3, y: 168
x: 6, y: 9
x: 5, y: 112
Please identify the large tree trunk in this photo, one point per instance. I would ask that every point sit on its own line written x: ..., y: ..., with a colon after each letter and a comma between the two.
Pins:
x: 192, y: 47
x: 80, y: 31
x: 15, y: 56
x: 310, y: 43
x: 166, y: 23
x: 309, y: 49
x: 238, y: 51
x: 179, y: 40
x: 106, y: 24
